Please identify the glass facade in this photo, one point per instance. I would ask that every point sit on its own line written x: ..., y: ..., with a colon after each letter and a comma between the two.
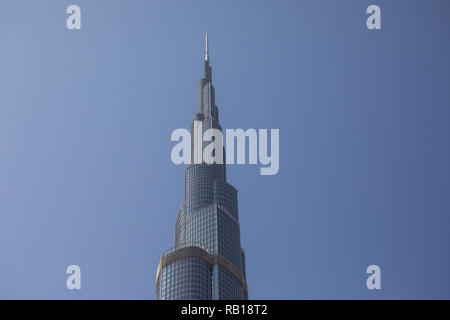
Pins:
x: 207, y: 261
x: 186, y: 278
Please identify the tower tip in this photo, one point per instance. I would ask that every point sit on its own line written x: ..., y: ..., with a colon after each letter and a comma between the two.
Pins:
x: 206, y: 48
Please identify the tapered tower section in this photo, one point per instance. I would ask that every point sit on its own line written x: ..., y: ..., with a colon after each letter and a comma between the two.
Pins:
x: 207, y: 262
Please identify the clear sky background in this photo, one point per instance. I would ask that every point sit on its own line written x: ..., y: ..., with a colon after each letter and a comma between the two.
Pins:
x: 86, y: 118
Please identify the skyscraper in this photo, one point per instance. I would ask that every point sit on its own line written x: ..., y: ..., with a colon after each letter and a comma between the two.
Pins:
x: 207, y: 262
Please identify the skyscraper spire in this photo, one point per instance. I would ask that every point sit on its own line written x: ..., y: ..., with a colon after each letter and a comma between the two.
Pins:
x: 208, y: 75
x: 206, y: 48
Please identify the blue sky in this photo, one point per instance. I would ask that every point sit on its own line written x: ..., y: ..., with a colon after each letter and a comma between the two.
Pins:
x: 86, y: 118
